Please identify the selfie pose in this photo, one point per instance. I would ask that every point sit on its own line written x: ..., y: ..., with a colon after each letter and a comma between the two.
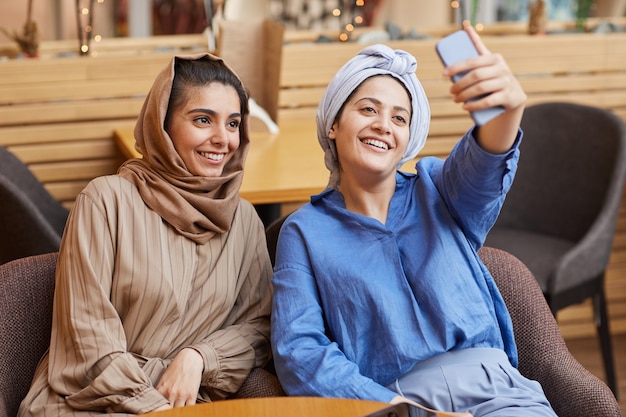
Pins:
x: 163, y: 280
x: 379, y: 293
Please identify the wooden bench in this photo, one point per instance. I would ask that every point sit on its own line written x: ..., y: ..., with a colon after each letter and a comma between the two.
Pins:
x: 58, y: 115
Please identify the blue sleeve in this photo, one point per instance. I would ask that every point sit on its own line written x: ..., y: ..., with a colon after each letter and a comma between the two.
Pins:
x: 307, y: 362
x: 474, y: 184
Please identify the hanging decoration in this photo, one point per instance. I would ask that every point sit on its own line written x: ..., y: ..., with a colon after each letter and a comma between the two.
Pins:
x: 28, y: 39
x: 84, y: 23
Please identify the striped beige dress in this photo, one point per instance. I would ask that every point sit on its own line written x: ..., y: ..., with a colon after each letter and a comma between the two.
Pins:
x: 132, y: 292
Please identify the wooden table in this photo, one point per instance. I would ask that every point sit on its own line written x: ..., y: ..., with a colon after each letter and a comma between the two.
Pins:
x: 277, y: 407
x: 281, y: 168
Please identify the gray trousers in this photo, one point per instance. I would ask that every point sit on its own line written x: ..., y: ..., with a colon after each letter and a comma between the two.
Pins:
x: 481, y: 381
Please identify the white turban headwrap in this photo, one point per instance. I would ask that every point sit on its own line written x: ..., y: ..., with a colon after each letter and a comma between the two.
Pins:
x: 373, y: 60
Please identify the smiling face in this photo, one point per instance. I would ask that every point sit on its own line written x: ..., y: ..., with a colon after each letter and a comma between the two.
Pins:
x: 372, y: 132
x: 205, y: 128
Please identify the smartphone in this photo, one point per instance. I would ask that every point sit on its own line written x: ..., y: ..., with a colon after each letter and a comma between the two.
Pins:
x: 457, y: 47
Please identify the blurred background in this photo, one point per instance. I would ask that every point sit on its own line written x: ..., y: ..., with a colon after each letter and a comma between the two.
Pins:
x: 58, y: 19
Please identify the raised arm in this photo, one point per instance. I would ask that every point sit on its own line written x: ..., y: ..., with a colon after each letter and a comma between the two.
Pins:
x: 489, y: 75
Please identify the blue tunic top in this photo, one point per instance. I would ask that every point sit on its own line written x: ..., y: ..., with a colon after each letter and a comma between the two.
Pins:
x: 358, y: 303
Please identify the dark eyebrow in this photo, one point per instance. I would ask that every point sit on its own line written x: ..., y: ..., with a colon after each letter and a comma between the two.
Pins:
x: 378, y: 102
x: 212, y: 113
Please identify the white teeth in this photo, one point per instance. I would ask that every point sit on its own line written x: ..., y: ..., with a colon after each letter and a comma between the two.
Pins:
x: 212, y: 156
x: 377, y: 143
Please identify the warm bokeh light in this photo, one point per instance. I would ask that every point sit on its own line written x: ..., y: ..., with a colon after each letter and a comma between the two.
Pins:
x: 343, y: 37
x: 479, y: 27
x: 349, y: 27
x: 455, y: 4
x: 336, y: 12
x: 358, y: 20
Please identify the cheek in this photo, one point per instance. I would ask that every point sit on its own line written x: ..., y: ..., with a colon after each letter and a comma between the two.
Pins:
x: 234, y: 142
x: 405, y: 136
x: 402, y: 141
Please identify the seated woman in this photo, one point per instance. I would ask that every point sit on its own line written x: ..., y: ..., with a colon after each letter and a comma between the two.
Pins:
x: 163, y: 282
x: 379, y: 293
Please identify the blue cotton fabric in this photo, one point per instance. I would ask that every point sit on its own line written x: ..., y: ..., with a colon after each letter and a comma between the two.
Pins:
x: 358, y: 303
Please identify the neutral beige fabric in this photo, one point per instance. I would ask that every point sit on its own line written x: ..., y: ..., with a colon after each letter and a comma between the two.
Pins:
x: 197, y: 206
x: 132, y: 292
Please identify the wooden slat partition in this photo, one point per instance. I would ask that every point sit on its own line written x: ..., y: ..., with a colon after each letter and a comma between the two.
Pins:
x: 58, y: 115
x: 584, y: 68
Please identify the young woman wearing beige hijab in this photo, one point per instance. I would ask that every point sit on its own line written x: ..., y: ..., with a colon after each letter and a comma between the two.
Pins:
x: 163, y: 282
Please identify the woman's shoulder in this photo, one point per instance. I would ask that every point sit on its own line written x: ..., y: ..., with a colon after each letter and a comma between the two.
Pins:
x: 309, y: 219
x: 109, y: 182
x: 109, y: 187
x: 246, y: 219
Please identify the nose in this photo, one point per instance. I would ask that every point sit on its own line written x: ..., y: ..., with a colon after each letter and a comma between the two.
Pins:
x: 219, y: 135
x: 381, y: 124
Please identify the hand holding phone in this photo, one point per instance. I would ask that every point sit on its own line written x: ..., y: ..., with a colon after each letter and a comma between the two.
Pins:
x: 457, y: 47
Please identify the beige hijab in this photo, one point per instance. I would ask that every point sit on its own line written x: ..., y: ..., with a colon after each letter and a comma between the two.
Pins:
x: 197, y: 207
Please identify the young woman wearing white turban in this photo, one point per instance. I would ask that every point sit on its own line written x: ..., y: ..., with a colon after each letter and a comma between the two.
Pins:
x: 379, y: 292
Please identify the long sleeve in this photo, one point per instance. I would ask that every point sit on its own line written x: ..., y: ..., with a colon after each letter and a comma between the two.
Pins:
x: 89, y: 352
x: 474, y: 184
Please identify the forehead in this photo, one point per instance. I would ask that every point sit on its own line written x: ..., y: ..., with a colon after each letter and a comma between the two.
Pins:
x: 385, y: 88
x: 214, y: 93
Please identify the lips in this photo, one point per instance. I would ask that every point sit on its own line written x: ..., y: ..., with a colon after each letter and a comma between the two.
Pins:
x: 376, y: 143
x: 212, y: 156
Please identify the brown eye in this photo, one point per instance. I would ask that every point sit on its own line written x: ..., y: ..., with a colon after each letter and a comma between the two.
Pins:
x: 401, y: 119
x: 202, y: 120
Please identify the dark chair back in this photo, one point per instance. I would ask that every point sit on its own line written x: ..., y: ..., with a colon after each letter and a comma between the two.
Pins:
x: 26, y: 294
x: 271, y: 235
x: 570, y: 179
x: 31, y: 220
